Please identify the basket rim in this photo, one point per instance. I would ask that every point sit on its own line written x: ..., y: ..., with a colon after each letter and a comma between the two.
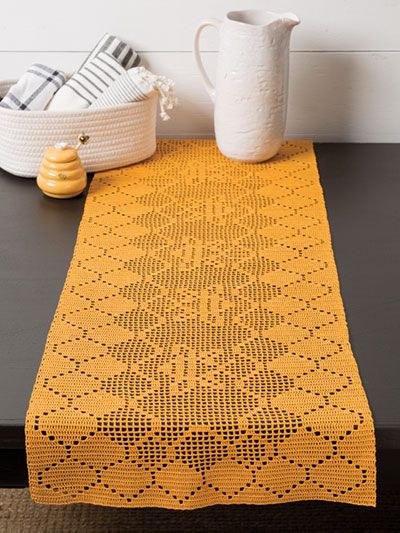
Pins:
x: 87, y: 111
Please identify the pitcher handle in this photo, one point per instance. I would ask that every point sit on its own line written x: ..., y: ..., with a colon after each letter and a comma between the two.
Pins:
x: 215, y: 23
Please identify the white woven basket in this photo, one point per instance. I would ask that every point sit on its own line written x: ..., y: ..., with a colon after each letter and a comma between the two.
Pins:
x: 119, y: 136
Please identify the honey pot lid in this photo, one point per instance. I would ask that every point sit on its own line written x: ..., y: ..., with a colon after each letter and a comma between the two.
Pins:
x: 61, y: 153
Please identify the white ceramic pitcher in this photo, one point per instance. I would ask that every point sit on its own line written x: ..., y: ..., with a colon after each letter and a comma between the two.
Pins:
x: 252, y: 82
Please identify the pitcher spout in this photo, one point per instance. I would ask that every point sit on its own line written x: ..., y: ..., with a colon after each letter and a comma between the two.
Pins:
x: 290, y: 20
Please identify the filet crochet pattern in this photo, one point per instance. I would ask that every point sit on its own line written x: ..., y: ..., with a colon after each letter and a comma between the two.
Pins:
x: 199, y: 353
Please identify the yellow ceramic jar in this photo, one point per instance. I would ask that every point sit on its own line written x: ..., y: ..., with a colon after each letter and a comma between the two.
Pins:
x: 61, y: 173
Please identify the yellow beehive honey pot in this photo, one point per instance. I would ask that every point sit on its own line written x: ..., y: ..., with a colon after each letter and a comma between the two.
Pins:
x: 61, y: 173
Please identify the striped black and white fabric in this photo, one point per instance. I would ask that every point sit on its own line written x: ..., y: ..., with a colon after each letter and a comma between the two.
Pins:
x: 88, y: 84
x: 116, y: 48
x: 34, y: 89
x: 135, y: 85
x: 127, y: 88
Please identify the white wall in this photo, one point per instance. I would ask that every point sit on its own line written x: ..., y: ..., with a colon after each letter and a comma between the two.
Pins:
x: 345, y: 60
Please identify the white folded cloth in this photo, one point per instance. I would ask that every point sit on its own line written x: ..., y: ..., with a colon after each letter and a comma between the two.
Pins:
x: 115, y: 47
x: 135, y: 85
x: 34, y: 89
x: 88, y: 84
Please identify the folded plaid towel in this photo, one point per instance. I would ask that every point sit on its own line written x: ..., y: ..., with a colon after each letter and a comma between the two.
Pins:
x: 116, y: 48
x: 86, y: 85
x: 34, y: 89
x: 137, y: 84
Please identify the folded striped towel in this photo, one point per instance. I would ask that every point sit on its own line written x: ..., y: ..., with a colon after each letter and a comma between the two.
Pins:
x: 34, y: 89
x: 88, y: 84
x: 116, y: 48
x: 137, y: 84
x: 109, y: 58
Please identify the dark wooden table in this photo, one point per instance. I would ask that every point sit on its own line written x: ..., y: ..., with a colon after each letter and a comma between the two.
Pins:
x: 362, y: 191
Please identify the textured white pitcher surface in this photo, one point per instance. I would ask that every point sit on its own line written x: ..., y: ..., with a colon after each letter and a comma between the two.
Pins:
x: 251, y: 89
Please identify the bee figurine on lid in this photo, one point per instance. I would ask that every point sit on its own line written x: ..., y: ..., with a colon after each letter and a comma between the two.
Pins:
x: 61, y: 173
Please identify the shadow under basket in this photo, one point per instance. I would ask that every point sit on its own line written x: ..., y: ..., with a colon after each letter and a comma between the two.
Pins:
x: 119, y: 136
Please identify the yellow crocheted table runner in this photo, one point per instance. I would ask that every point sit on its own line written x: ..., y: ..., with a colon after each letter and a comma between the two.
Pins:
x: 199, y: 353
